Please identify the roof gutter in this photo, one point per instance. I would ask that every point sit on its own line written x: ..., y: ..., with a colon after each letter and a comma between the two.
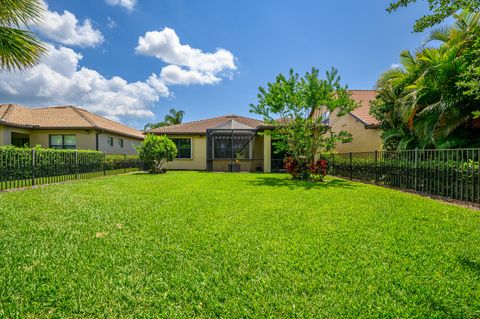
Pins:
x: 372, y: 126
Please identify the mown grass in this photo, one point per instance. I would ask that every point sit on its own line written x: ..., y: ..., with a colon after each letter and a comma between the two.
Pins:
x: 189, y: 244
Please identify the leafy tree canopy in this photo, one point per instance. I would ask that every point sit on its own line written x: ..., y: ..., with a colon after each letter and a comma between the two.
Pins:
x: 441, y: 9
x: 432, y: 100
x: 296, y: 106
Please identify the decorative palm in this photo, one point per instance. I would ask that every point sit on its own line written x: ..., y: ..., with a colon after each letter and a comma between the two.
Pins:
x: 20, y: 49
x: 173, y: 117
x: 429, y: 109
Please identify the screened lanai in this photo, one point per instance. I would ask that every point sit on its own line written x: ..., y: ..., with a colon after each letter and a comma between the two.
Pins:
x: 234, y: 147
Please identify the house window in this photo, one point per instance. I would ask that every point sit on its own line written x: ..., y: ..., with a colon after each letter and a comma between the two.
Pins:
x: 223, y: 148
x: 184, y: 147
x: 326, y: 117
x: 63, y: 141
x: 120, y: 143
x: 110, y: 141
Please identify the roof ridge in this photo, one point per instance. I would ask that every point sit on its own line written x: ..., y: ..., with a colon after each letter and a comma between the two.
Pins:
x: 83, y: 116
x: 227, y: 116
x: 8, y: 109
x: 196, y: 121
x: 11, y: 106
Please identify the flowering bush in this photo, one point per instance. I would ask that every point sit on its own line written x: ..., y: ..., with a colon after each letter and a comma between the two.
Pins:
x: 302, y: 169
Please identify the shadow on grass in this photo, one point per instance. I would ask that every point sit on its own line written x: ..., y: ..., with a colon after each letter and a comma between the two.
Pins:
x: 470, y: 264
x: 295, y: 184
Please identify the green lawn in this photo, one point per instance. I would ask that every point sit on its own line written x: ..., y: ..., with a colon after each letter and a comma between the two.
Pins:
x: 189, y: 244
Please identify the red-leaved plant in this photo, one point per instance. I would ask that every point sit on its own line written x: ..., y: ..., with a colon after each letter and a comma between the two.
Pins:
x: 302, y: 169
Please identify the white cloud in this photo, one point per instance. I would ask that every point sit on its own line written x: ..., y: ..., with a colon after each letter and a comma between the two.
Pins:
x: 59, y: 80
x: 158, y: 84
x: 127, y: 4
x: 173, y: 74
x: 66, y: 29
x: 111, y: 23
x: 395, y: 66
x: 165, y: 45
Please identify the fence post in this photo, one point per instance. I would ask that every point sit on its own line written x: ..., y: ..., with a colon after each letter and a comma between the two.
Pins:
x: 333, y: 164
x: 416, y: 169
x: 350, y: 165
x: 33, y: 167
x: 124, y: 163
x: 104, y: 164
x: 478, y: 176
x: 76, y: 164
x: 376, y: 167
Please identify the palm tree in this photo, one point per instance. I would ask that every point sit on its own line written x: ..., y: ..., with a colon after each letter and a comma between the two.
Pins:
x: 429, y: 109
x: 172, y: 118
x: 20, y: 49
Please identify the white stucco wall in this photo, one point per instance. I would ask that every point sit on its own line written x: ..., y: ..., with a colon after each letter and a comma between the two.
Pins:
x: 128, y: 144
x: 199, y: 154
x: 85, y: 139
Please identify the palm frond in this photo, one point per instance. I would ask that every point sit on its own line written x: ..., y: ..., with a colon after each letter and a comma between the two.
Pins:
x: 407, y: 59
x: 19, y: 49
x: 449, y: 121
x: 18, y: 13
x: 174, y: 117
x: 441, y: 34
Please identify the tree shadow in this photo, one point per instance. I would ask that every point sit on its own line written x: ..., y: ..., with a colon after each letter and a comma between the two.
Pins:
x: 470, y: 264
x: 287, y: 182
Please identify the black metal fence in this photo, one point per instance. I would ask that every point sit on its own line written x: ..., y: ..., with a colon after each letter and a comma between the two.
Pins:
x: 30, y: 167
x: 451, y: 173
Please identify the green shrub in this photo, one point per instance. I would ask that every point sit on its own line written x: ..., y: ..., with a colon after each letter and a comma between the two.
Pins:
x: 121, y: 161
x: 17, y: 163
x: 155, y: 151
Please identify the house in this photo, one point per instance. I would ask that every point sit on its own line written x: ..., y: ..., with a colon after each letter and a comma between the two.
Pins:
x: 363, y: 126
x: 224, y: 143
x: 65, y: 127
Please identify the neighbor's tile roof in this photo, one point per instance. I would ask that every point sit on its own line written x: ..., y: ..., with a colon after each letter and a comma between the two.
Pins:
x: 363, y: 111
x: 201, y: 126
x: 61, y: 117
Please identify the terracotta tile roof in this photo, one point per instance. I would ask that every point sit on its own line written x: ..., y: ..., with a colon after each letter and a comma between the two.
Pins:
x: 363, y: 111
x: 61, y: 117
x: 201, y: 126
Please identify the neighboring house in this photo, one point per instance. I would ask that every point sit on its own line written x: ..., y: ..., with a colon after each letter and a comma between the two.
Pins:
x: 363, y: 126
x: 65, y: 127
x: 224, y: 143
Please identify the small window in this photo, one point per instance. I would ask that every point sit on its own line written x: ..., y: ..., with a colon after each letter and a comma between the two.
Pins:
x: 69, y: 142
x: 184, y: 147
x: 63, y: 141
x: 110, y: 141
x: 326, y: 117
x: 120, y: 143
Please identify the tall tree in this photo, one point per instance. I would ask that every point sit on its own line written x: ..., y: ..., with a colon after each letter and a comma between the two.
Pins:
x: 432, y: 104
x: 172, y: 118
x: 441, y: 9
x: 20, y: 49
x: 288, y: 104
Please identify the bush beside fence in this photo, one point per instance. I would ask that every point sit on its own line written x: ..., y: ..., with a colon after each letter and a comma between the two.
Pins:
x: 21, y: 167
x: 452, y: 173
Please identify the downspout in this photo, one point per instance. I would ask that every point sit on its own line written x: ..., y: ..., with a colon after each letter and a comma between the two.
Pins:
x: 96, y: 140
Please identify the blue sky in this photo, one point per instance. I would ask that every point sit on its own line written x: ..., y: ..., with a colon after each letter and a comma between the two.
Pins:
x: 262, y: 38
